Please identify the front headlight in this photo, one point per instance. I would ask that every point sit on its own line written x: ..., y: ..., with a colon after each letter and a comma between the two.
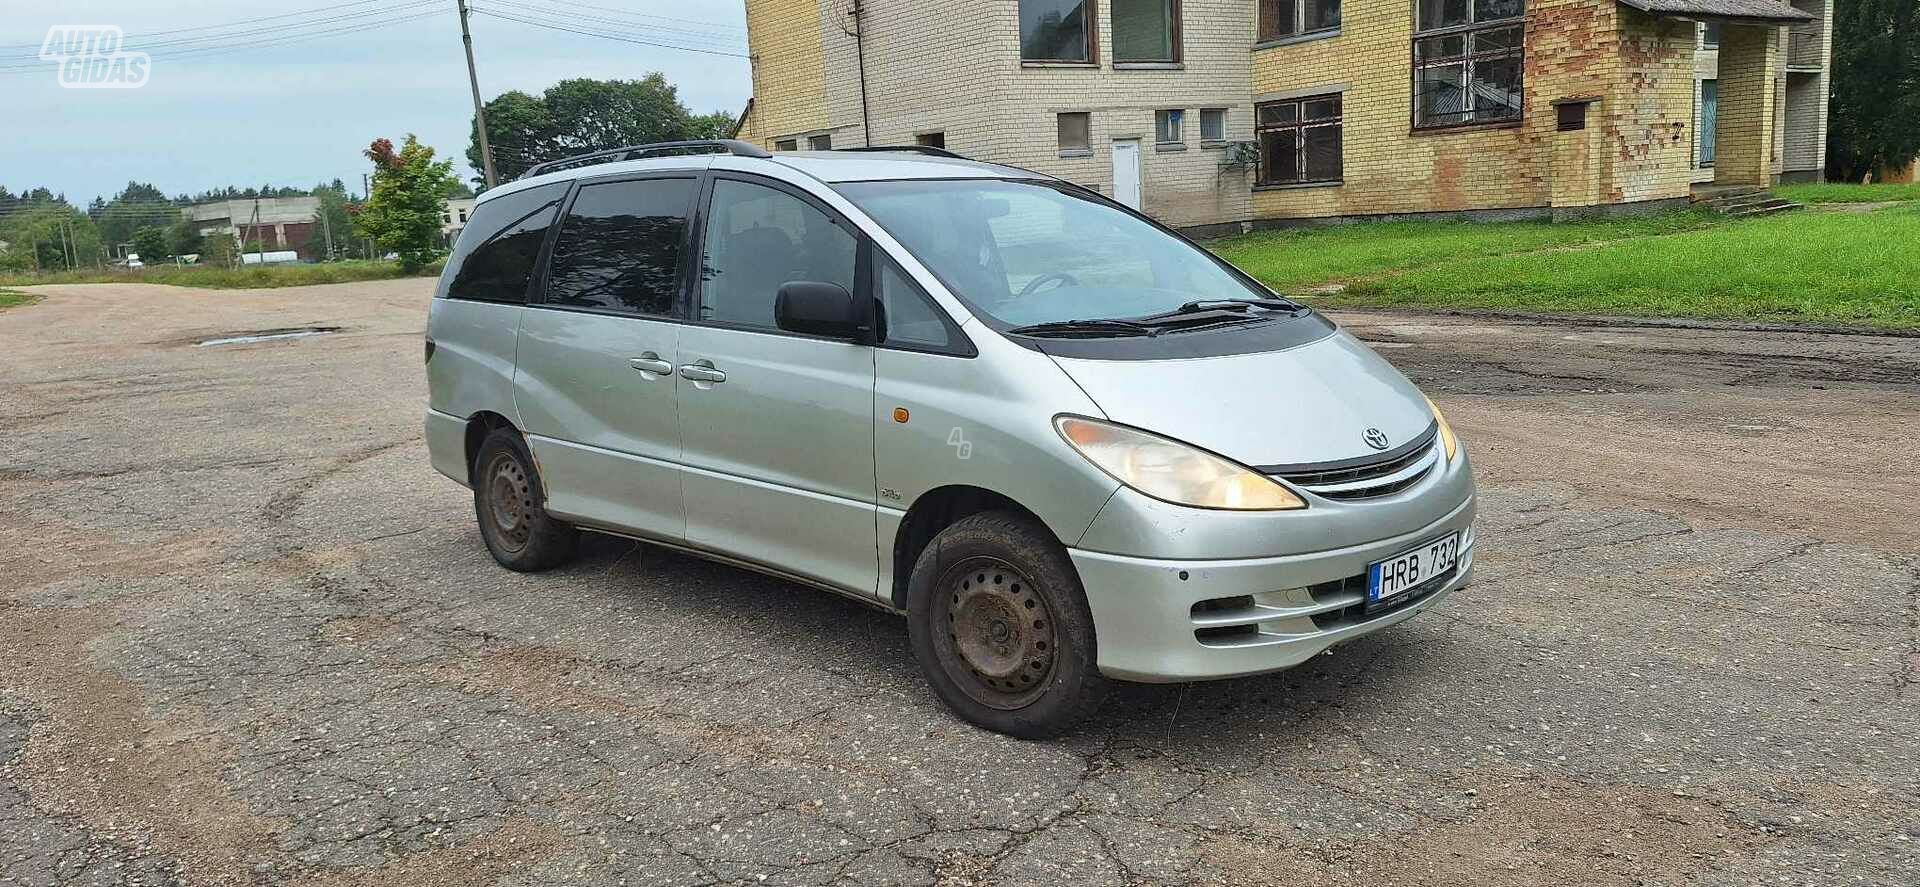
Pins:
x: 1172, y: 471
x: 1446, y: 431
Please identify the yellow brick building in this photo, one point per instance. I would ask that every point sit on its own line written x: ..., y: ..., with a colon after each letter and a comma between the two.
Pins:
x: 1222, y: 114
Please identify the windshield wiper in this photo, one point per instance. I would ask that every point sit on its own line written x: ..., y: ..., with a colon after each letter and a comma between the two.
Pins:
x: 1199, y: 305
x: 1091, y: 327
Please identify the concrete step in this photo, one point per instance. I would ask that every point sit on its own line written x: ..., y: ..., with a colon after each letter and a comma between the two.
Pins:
x: 1742, y: 201
x: 1766, y: 208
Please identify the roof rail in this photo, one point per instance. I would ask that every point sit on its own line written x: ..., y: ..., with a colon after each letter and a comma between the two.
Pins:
x: 928, y: 150
x: 636, y: 152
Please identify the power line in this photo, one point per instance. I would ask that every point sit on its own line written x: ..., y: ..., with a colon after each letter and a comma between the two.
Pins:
x: 137, y: 44
x: 258, y: 44
x: 605, y: 35
x: 625, y: 19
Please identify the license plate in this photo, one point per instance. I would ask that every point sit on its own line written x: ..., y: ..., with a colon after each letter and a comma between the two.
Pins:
x: 1393, y: 576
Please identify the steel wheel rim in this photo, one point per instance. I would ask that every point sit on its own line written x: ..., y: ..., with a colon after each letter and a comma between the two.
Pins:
x: 510, y: 502
x: 996, y: 636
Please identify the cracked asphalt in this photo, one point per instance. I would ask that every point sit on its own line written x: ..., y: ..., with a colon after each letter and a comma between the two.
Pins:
x: 247, y: 636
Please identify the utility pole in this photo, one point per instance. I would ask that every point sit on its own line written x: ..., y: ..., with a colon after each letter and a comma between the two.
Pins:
x: 860, y: 53
x: 326, y: 222
x: 479, y: 108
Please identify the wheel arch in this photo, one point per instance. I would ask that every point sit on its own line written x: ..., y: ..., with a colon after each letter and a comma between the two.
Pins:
x: 935, y: 510
x: 479, y: 425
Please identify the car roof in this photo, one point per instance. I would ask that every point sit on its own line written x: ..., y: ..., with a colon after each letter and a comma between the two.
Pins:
x: 869, y: 166
x: 826, y: 166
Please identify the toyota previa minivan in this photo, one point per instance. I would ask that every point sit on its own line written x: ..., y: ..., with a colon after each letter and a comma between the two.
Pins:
x: 1070, y: 446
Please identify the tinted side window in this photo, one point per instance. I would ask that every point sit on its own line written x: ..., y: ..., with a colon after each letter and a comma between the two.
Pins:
x: 759, y: 238
x: 493, y: 262
x: 912, y: 318
x: 619, y: 248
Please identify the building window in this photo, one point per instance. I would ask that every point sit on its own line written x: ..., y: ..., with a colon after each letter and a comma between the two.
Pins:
x: 1076, y: 133
x: 1168, y: 127
x: 1280, y: 19
x: 463, y: 217
x: 786, y: 145
x: 1299, y: 140
x: 931, y: 140
x: 1710, y: 35
x: 1467, y: 62
x: 820, y: 143
x: 1056, y: 31
x: 1145, y: 30
x: 1213, y: 124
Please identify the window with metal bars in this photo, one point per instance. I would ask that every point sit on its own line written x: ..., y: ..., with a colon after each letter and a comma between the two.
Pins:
x: 1300, y: 140
x: 1468, y: 58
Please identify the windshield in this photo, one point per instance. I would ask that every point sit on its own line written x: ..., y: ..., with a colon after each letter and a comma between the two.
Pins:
x: 1027, y: 253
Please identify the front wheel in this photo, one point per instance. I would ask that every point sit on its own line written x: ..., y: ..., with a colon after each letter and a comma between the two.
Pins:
x: 1000, y: 625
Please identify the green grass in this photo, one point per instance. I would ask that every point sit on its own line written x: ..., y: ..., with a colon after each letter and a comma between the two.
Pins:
x: 10, y: 298
x: 1812, y: 268
x: 1843, y: 193
x: 254, y: 277
x: 1306, y: 257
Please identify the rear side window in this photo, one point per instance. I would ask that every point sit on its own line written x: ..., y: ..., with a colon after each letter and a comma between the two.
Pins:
x: 619, y: 248
x: 494, y: 260
x: 758, y: 239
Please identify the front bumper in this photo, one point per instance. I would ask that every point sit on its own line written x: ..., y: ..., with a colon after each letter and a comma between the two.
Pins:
x: 1161, y: 620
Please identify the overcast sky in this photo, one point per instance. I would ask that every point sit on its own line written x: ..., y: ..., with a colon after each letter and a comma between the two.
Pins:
x: 301, y: 112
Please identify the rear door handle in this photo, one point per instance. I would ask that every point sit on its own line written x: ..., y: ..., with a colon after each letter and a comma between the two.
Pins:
x: 650, y: 366
x: 701, y: 372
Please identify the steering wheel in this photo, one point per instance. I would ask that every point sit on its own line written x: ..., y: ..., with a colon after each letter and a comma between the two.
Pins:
x: 1064, y: 278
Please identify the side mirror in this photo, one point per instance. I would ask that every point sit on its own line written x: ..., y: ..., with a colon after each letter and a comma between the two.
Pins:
x: 818, y: 309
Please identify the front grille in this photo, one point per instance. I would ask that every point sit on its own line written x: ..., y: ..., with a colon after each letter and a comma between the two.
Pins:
x: 1373, y: 478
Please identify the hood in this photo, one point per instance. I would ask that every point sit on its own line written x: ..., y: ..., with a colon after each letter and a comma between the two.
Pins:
x: 1296, y: 407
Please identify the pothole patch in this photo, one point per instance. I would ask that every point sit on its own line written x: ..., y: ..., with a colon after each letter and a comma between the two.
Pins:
x: 248, y: 338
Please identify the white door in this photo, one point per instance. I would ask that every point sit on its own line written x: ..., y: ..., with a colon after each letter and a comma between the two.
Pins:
x: 1126, y: 172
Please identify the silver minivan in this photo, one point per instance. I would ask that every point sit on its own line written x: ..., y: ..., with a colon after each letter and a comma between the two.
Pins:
x: 1070, y: 446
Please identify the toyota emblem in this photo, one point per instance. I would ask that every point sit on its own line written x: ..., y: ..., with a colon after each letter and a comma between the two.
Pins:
x: 1376, y: 438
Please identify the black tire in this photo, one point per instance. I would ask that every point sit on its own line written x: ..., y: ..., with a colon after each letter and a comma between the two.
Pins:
x: 999, y: 623
x: 510, y: 503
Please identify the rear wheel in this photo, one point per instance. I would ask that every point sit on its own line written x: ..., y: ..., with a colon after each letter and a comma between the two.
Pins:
x: 1000, y: 626
x: 510, y: 503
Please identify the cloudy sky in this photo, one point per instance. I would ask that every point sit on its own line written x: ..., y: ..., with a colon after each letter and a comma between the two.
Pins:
x: 238, y: 98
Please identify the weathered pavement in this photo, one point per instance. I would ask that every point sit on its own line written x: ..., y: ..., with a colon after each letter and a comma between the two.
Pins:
x: 248, y: 636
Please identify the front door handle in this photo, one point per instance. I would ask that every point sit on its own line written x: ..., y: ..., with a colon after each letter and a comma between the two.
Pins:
x: 650, y: 366
x: 701, y: 371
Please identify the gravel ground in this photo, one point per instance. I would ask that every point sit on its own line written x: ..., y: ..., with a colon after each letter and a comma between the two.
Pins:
x: 248, y: 636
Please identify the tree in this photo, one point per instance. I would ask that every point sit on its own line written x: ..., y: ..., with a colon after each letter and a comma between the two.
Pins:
x: 332, y: 236
x: 150, y: 243
x: 136, y: 206
x: 581, y: 116
x: 46, y: 233
x: 410, y: 190
x: 184, y: 238
x: 1875, y: 114
x: 518, y: 130
x: 718, y: 125
x: 219, y: 249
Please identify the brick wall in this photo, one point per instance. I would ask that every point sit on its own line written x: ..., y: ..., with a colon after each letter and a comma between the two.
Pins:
x: 1638, y: 148
x: 955, y: 68
x: 789, y: 69
x: 1749, y: 66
